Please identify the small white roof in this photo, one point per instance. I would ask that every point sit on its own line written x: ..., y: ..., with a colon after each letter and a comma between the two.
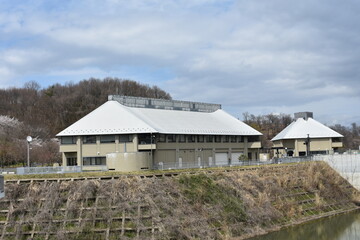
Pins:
x: 115, y: 118
x: 301, y: 128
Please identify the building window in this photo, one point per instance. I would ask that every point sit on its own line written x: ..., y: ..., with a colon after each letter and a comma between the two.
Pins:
x: 89, y: 139
x: 71, y: 161
x: 89, y: 161
x: 240, y: 139
x: 253, y: 139
x: 68, y: 140
x: 191, y: 138
x: 181, y: 138
x: 209, y: 138
x: 171, y: 138
x: 107, y: 139
x: 232, y: 139
x: 125, y: 138
x: 145, y: 139
x: 200, y: 138
x: 218, y: 138
x: 161, y: 138
x: 336, y: 139
x: 226, y: 139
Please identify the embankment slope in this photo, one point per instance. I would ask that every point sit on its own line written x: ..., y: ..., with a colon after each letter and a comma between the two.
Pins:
x: 204, y: 205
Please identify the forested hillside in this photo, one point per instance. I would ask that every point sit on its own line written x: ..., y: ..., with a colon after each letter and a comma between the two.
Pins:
x: 53, y: 108
x: 42, y: 113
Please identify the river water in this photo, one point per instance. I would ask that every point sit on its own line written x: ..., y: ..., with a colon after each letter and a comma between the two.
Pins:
x: 341, y: 227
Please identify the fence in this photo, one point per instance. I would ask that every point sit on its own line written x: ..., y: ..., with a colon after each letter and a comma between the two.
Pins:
x: 47, y: 170
x: 184, y: 165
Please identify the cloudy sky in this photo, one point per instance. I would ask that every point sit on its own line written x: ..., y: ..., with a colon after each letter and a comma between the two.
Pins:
x: 256, y: 56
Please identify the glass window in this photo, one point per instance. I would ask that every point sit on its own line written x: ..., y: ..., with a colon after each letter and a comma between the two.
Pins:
x: 162, y: 138
x: 68, y: 140
x: 209, y: 138
x: 200, y: 138
x: 125, y: 138
x: 181, y: 138
x: 89, y: 139
x: 71, y: 161
x: 107, y: 139
x: 171, y: 138
x: 94, y: 161
x: 240, y: 139
x: 217, y: 138
x: 233, y: 139
x: 226, y: 138
x: 145, y: 138
x: 253, y: 139
x: 191, y: 138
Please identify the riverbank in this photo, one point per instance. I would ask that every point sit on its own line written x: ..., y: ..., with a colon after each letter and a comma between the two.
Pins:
x: 234, y: 203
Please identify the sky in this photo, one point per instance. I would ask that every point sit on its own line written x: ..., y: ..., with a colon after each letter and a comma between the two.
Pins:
x: 255, y: 56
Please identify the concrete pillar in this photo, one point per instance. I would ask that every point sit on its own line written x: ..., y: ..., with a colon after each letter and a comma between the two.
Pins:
x: 136, y: 142
x: 79, y: 151
x: 246, y: 150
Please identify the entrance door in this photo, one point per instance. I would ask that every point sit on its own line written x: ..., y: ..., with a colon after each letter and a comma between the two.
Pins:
x: 221, y: 159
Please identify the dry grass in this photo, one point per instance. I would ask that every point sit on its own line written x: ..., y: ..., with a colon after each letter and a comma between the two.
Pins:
x: 200, y: 205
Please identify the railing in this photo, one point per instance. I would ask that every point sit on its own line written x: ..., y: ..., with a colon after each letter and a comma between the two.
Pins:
x: 184, y: 165
x: 48, y: 170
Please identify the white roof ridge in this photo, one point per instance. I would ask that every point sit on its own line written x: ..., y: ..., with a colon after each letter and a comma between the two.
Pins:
x: 130, y: 110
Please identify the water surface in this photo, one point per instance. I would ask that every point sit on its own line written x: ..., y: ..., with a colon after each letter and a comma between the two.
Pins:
x: 341, y: 227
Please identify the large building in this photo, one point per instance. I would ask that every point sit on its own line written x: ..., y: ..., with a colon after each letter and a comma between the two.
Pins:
x: 306, y: 136
x: 128, y: 133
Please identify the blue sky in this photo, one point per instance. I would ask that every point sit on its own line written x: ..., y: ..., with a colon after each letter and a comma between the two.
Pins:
x: 255, y: 56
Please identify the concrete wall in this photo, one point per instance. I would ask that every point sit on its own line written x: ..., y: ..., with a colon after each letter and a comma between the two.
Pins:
x: 297, y: 145
x: 128, y: 162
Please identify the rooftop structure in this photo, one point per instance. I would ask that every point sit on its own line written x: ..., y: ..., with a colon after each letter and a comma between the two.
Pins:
x: 140, y: 102
x: 115, y: 118
x: 300, y: 128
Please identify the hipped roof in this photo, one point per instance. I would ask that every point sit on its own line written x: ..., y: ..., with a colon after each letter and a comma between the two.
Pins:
x: 115, y: 118
x: 300, y: 129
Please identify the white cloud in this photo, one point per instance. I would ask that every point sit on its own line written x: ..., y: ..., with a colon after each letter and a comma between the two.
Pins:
x: 248, y: 55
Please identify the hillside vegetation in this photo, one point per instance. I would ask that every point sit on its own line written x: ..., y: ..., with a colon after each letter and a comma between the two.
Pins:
x: 42, y: 113
x: 200, y: 205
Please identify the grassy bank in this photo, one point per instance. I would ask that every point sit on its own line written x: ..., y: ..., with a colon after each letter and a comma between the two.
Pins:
x: 193, y: 205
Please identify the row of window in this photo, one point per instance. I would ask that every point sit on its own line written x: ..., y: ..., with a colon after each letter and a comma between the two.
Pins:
x: 94, y: 161
x: 170, y: 138
x: 198, y: 138
x: 72, y: 161
x: 92, y: 139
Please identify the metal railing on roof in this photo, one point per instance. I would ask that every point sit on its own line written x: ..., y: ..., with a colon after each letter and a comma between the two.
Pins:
x: 140, y: 102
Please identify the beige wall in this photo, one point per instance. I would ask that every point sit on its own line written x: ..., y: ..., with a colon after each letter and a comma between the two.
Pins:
x: 297, y: 145
x: 166, y: 152
x: 128, y: 162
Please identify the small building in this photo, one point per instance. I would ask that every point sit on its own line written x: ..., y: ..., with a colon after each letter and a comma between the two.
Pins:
x: 129, y: 133
x: 306, y: 136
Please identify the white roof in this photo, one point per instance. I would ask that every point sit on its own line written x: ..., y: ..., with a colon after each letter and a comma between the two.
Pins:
x: 301, y: 128
x: 115, y: 118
